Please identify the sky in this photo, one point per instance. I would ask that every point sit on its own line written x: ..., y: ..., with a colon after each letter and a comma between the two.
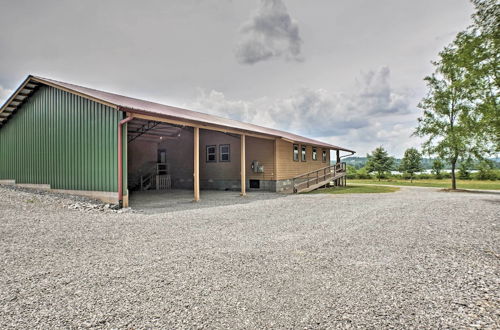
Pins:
x: 345, y: 72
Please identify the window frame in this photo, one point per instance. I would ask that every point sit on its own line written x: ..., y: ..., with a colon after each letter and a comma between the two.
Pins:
x: 324, y: 156
x: 228, y: 153
x: 209, y: 153
x: 303, y: 153
x: 295, y: 147
x: 314, y: 154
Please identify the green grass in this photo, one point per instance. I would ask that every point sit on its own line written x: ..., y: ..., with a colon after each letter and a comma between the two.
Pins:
x: 444, y: 183
x: 355, y: 189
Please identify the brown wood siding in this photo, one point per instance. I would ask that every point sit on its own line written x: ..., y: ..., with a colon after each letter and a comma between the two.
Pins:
x: 287, y: 168
x: 180, y: 157
x: 219, y: 170
x: 261, y: 150
x: 139, y: 153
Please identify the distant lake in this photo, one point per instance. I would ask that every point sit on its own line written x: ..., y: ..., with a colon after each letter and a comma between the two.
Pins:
x: 429, y: 171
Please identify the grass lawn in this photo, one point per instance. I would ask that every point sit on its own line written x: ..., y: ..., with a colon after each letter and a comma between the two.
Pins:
x: 444, y: 183
x: 355, y: 189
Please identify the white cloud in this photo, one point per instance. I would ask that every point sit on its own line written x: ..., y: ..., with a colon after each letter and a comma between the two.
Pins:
x: 375, y: 114
x: 4, y: 94
x: 271, y: 32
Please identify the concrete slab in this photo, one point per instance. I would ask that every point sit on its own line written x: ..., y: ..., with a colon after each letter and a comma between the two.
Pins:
x: 177, y: 200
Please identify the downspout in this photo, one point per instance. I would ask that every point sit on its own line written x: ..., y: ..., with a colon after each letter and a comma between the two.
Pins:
x: 120, y: 160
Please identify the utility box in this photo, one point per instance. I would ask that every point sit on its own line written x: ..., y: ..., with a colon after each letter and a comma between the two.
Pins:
x: 257, y: 167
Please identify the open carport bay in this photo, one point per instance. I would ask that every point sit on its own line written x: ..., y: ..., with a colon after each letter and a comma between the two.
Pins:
x: 414, y: 258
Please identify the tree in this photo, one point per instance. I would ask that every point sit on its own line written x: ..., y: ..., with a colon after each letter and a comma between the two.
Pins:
x: 461, y: 113
x: 437, y: 167
x: 411, y: 162
x: 379, y: 161
x: 446, y: 108
x: 478, y: 50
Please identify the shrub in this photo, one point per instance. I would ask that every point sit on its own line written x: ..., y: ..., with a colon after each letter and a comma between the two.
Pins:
x: 464, y: 170
x: 446, y: 175
x: 397, y: 176
x: 351, y: 172
x: 405, y: 176
x: 486, y: 171
x: 362, y: 173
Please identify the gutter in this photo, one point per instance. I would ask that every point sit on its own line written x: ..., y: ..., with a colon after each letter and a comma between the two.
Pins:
x: 120, y: 160
x: 352, y: 153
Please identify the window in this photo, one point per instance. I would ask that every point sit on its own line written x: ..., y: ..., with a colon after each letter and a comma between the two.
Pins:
x: 224, y: 151
x: 296, y: 152
x: 211, y: 154
x: 324, y: 156
x: 303, y: 153
x: 255, y: 184
x: 315, y: 153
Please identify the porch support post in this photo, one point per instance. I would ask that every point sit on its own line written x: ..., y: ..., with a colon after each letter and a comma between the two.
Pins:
x: 243, y: 160
x: 120, y: 161
x: 196, y: 174
x: 338, y: 156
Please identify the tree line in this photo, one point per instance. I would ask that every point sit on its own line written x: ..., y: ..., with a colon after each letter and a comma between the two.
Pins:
x: 380, y: 165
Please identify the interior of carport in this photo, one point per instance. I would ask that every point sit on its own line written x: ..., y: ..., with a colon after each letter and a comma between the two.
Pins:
x: 161, y: 160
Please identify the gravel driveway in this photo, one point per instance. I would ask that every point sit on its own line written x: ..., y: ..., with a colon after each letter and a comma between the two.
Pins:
x: 416, y: 258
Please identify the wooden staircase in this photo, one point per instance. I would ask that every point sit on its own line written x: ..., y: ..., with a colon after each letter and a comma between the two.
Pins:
x: 158, y: 178
x: 324, y: 176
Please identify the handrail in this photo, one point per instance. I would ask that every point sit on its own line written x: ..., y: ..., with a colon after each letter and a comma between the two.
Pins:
x: 321, y: 169
x: 314, y: 177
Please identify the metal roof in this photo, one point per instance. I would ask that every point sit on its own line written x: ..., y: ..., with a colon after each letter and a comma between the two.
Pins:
x: 134, y: 105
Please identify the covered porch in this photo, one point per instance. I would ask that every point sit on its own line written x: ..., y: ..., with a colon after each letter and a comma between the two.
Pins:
x: 164, y: 155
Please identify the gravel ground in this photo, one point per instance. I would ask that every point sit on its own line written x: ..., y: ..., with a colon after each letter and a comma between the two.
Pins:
x: 417, y: 258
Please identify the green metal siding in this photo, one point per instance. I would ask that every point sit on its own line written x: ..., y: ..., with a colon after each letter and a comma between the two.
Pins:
x: 64, y: 140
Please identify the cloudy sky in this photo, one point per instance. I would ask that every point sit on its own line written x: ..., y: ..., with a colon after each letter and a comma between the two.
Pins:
x: 347, y: 72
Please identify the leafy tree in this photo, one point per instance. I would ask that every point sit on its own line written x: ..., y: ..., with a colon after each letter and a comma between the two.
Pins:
x: 437, y: 167
x: 380, y: 162
x: 478, y: 51
x: 461, y: 113
x: 445, y: 119
x: 411, y: 162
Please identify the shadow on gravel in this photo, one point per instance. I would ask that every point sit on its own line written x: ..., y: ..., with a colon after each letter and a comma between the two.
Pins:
x: 152, y: 202
x: 492, y: 201
x: 489, y: 192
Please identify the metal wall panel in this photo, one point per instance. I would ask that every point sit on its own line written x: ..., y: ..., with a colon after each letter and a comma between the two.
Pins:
x: 64, y: 140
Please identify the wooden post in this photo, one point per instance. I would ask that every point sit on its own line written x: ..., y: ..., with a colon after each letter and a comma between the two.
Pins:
x: 275, y: 169
x: 338, y: 156
x: 196, y: 174
x: 243, y: 160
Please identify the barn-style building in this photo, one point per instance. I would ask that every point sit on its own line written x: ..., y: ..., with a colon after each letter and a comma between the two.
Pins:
x: 73, y: 139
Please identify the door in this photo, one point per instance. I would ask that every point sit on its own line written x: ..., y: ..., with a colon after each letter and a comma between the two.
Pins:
x: 162, y: 162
